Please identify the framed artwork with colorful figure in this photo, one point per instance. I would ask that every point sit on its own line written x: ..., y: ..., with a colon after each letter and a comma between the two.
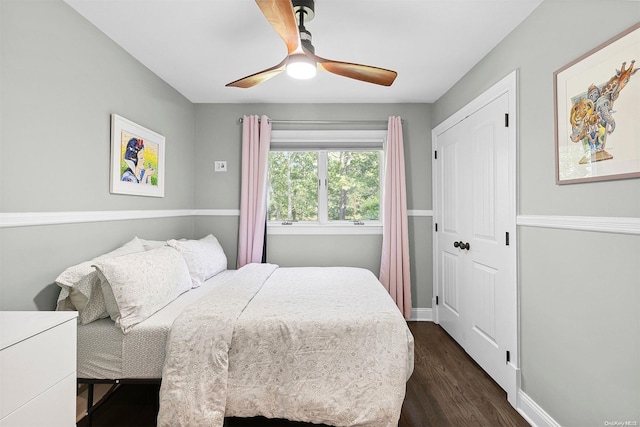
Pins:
x: 137, y: 159
x: 597, y: 112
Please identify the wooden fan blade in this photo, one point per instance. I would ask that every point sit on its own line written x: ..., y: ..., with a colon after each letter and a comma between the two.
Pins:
x: 280, y: 15
x: 365, y: 73
x: 259, y: 77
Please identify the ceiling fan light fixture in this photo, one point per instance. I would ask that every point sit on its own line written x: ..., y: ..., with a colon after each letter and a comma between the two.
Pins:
x: 287, y: 17
x: 301, y: 67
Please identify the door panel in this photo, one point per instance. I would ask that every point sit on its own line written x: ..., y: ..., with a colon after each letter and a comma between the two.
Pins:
x: 489, y: 255
x: 448, y: 257
x: 484, y: 297
x: 450, y: 297
x: 483, y: 180
x: 450, y: 174
x: 473, y: 195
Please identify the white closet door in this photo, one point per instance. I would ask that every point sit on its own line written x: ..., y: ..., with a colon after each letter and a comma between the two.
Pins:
x: 453, y: 162
x: 476, y: 265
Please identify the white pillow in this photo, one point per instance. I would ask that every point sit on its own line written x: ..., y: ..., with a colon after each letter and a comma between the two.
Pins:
x: 80, y: 286
x: 205, y: 257
x: 152, y: 244
x: 137, y: 285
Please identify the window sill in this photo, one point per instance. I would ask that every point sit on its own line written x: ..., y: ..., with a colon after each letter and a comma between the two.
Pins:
x: 324, y: 229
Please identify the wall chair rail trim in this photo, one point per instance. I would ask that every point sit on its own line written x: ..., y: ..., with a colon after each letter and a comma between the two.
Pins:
x: 419, y: 212
x: 618, y: 225
x: 31, y: 219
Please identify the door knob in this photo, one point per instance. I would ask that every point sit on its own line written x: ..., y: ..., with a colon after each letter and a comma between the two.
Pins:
x: 461, y: 245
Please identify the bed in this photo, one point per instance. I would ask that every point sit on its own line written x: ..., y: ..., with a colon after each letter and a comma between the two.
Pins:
x: 313, y: 344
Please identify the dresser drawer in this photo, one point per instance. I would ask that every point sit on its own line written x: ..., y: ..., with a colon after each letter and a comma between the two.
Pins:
x: 32, y: 366
x: 53, y: 408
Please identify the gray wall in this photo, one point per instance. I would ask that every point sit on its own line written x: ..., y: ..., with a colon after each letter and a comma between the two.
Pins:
x: 218, y: 137
x: 579, y: 291
x: 61, y: 79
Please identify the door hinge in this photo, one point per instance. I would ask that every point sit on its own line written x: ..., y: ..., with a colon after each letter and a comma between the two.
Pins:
x: 507, y: 238
x: 436, y: 227
x: 508, y: 357
x: 435, y: 155
x: 506, y: 120
x: 437, y: 300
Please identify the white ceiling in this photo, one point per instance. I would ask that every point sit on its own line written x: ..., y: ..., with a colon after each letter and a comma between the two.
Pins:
x: 198, y: 46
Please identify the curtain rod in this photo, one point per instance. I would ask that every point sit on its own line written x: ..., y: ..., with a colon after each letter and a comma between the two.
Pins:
x: 325, y: 122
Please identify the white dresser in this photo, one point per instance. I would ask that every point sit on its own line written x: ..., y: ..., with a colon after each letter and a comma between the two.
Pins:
x: 38, y: 368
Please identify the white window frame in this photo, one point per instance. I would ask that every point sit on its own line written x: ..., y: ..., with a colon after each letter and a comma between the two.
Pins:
x: 323, y: 141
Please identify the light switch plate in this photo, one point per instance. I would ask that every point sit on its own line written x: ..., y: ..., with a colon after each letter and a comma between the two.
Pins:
x: 220, y: 166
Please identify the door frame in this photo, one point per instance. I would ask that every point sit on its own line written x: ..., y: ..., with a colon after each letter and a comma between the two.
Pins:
x: 507, y: 85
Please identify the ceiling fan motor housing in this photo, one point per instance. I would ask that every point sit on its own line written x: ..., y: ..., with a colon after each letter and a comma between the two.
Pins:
x: 304, y: 11
x: 307, y: 7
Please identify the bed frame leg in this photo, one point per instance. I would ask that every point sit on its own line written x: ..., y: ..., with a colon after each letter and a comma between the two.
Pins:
x: 89, y: 413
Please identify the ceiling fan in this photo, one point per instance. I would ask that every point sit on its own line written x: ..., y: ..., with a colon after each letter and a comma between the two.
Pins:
x: 287, y: 17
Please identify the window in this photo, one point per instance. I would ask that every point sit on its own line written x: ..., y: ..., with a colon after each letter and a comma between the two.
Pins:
x: 293, y: 186
x: 323, y: 178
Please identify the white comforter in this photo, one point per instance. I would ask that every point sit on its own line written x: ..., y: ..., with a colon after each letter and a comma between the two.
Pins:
x: 322, y: 345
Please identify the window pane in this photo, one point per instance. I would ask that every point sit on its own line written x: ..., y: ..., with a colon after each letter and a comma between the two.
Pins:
x: 293, y: 186
x: 354, y: 185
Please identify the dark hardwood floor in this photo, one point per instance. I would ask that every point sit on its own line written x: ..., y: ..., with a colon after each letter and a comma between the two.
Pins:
x: 447, y: 388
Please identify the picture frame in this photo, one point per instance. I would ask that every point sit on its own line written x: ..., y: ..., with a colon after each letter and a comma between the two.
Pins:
x: 597, y: 111
x: 137, y: 159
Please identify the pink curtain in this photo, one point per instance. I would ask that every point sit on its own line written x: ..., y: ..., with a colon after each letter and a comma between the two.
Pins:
x: 256, y: 138
x: 394, y: 264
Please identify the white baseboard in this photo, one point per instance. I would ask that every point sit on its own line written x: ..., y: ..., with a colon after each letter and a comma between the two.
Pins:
x: 421, y: 315
x: 532, y: 413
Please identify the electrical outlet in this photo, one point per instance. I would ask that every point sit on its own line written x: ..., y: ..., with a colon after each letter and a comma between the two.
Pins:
x: 220, y: 166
